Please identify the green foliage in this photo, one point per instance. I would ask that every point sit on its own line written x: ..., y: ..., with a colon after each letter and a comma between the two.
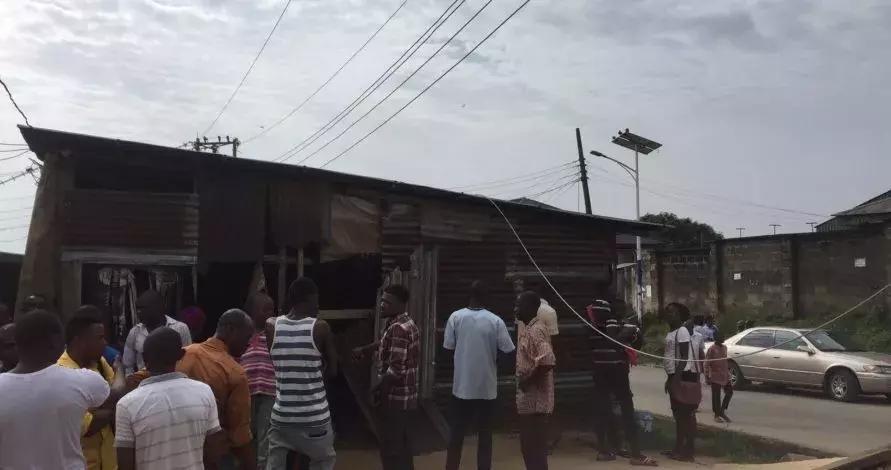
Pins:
x: 682, y: 233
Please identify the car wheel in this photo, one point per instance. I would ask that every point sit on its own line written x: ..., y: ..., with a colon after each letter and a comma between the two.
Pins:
x: 737, y: 381
x: 843, y: 386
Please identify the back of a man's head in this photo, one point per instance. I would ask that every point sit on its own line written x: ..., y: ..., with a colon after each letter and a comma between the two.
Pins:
x: 301, y: 291
x: 161, y: 350
x: 478, y: 292
x: 38, y: 335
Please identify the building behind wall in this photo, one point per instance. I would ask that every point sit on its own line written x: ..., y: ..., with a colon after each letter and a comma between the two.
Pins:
x: 114, y: 218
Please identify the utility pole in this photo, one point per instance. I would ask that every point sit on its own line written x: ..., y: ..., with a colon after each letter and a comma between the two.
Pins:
x: 583, y: 171
x: 199, y: 145
x: 812, y: 224
x: 741, y: 230
x: 775, y: 228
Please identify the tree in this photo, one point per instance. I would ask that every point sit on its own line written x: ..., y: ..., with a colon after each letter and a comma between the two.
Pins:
x: 682, y: 233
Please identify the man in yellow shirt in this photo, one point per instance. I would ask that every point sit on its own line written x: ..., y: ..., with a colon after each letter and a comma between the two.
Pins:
x: 85, y: 341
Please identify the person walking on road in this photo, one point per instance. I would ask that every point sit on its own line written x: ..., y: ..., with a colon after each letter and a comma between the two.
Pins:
x: 535, y: 381
x: 717, y: 374
x: 682, y: 383
x: 476, y: 336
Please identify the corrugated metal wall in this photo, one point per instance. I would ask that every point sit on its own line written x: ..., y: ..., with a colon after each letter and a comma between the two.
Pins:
x: 130, y: 219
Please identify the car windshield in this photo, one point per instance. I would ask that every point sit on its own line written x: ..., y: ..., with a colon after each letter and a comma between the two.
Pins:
x: 831, y: 341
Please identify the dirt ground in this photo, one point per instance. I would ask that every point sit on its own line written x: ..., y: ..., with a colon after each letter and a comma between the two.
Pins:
x: 573, y: 453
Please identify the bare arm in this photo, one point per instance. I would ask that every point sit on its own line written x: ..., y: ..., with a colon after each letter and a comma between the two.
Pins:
x: 324, y: 340
x: 270, y: 332
x: 215, y: 447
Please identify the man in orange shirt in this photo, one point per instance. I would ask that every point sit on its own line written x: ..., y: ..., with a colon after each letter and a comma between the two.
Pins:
x: 215, y: 363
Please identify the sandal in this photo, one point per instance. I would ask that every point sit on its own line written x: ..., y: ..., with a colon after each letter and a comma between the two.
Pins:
x: 643, y: 461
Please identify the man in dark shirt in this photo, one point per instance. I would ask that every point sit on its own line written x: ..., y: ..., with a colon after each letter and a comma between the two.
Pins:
x: 610, y: 372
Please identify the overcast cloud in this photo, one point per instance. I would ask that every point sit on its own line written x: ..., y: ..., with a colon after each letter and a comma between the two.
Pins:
x: 781, y: 103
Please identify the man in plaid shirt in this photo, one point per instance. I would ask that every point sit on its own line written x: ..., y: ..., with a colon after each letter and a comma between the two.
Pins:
x: 398, y: 355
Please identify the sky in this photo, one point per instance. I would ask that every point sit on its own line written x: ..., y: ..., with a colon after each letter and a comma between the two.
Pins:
x: 769, y: 112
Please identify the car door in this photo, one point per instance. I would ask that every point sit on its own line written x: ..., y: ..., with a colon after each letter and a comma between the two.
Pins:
x: 789, y: 365
x: 754, y: 364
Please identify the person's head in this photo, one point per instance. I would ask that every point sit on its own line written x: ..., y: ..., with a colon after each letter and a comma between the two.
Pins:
x: 676, y: 314
x: 39, y: 339
x: 260, y: 307
x: 150, y: 308
x: 526, y: 306
x: 394, y: 300
x: 710, y: 320
x: 719, y: 337
x: 303, y: 296
x: 750, y: 324
x: 235, y: 328
x: 85, y: 334
x: 34, y: 302
x: 161, y: 350
x: 8, y: 354
x: 699, y: 320
x: 195, y: 319
x: 478, y: 293
x: 5, y: 314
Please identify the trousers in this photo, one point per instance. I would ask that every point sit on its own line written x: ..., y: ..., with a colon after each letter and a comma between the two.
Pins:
x: 463, y: 412
x: 261, y: 412
x: 719, y: 407
x: 611, y: 384
x: 315, y: 442
x: 534, y: 440
x: 394, y: 431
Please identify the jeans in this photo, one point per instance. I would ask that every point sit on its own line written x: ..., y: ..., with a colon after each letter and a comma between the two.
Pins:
x: 611, y: 383
x: 534, y: 440
x: 315, y: 442
x: 463, y: 412
x: 394, y: 431
x: 717, y: 406
x: 261, y: 411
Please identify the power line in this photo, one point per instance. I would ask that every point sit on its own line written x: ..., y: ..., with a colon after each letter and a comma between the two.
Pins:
x: 551, y: 183
x: 26, y: 171
x: 12, y: 145
x: 504, y: 181
x: 248, y: 72
x: 377, y: 83
x: 13, y: 150
x: 14, y: 156
x: 403, y: 82
x: 14, y: 103
x: 480, y: 43
x: 336, y: 72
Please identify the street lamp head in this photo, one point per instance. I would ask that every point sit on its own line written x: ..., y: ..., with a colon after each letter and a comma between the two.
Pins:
x: 597, y: 154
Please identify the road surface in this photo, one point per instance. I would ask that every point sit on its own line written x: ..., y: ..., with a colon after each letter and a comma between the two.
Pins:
x: 801, y: 417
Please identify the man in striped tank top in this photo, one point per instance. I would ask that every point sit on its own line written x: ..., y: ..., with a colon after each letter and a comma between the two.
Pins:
x: 303, y: 353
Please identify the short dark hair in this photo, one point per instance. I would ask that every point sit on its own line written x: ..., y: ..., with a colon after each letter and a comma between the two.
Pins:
x: 234, y: 319
x: 530, y: 297
x: 162, y: 348
x: 682, y: 311
x: 478, y: 290
x: 36, y: 327
x: 399, y: 291
x: 300, y: 290
x: 82, y: 319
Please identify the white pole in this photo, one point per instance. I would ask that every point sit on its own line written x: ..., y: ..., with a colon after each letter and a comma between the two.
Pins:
x: 638, y: 266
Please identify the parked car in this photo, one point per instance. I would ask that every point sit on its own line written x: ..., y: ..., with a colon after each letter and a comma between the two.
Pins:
x: 808, y: 358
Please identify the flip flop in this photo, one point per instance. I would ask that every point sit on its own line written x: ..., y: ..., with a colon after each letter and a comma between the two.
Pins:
x: 644, y: 461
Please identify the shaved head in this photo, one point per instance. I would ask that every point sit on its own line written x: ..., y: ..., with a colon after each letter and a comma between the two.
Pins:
x: 161, y: 350
x: 235, y: 328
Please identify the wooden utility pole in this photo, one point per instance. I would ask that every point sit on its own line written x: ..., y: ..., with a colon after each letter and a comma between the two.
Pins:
x: 583, y: 171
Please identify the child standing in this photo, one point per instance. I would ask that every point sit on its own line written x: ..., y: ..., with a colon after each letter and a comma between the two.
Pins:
x: 717, y: 374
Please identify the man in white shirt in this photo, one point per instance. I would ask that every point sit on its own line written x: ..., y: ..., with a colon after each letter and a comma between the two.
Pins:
x: 150, y: 312
x: 170, y: 420
x: 476, y: 335
x: 679, y: 367
x: 43, y: 404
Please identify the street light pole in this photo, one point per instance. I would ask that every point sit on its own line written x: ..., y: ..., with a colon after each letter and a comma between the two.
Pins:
x: 639, y: 145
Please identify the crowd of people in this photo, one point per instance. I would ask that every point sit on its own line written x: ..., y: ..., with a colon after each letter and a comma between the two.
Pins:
x: 253, y: 396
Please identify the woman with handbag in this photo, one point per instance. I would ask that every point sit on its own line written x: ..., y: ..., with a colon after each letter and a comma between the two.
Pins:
x: 682, y: 384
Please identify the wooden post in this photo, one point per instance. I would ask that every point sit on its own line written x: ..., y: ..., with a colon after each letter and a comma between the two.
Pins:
x: 300, y: 262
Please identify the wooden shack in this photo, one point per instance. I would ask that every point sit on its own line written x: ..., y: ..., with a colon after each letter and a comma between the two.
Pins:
x: 113, y: 218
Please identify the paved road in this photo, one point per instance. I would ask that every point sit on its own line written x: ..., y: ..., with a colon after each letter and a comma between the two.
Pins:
x: 802, y: 417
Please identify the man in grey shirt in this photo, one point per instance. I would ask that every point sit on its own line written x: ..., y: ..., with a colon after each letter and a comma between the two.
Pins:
x: 476, y: 336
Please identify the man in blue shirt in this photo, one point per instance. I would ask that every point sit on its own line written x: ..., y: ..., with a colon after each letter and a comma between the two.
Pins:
x: 476, y: 336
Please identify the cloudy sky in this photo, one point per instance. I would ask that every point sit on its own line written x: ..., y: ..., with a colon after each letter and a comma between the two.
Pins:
x: 760, y: 105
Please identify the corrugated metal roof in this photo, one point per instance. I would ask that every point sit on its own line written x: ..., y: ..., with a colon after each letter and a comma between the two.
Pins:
x: 878, y: 205
x: 42, y: 141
